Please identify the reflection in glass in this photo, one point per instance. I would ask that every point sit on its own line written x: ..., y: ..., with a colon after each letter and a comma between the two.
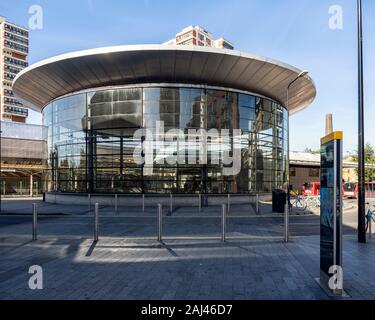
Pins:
x: 91, y: 146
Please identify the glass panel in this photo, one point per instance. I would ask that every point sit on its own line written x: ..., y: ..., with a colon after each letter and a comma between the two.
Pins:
x: 104, y: 150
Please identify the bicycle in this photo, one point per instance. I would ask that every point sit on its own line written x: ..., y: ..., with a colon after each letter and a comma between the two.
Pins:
x: 313, y: 201
x: 370, y: 215
x: 298, y: 202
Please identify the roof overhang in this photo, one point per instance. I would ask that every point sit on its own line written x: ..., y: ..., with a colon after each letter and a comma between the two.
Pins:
x: 52, y: 78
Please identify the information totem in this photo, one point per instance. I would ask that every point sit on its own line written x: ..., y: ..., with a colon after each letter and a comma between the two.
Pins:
x: 331, y: 212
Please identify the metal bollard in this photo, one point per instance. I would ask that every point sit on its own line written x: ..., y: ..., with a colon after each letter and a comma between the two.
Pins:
x: 35, y: 221
x: 89, y: 201
x: 96, y: 227
x: 116, y: 203
x: 160, y: 225
x: 223, y: 222
x: 286, y: 223
x: 200, y: 202
x: 143, y: 202
x: 171, y: 202
x: 369, y: 228
x: 257, y: 204
x: 228, y: 203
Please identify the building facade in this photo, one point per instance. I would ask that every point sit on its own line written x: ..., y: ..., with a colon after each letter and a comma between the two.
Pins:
x: 93, y: 145
x: 14, y: 48
x: 22, y: 159
x: 198, y: 36
x: 100, y: 105
x: 305, y: 167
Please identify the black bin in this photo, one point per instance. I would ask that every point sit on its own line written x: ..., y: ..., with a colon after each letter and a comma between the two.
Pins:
x: 278, y: 200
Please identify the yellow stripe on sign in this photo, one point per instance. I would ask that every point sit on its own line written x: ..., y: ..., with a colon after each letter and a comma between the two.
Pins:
x: 336, y: 135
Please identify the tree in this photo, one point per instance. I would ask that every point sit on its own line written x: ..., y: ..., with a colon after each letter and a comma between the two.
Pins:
x: 369, y: 159
x: 309, y: 150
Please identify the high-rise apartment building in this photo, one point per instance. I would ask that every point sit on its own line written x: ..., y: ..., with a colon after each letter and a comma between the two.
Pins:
x: 14, y: 48
x: 198, y: 36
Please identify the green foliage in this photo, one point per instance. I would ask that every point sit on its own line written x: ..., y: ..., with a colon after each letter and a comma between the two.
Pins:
x: 369, y: 159
x: 308, y: 150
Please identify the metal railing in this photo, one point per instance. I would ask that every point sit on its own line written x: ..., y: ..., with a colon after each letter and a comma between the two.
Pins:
x: 172, y: 200
x: 143, y: 203
x: 223, y: 222
x: 96, y: 223
x: 160, y: 222
x: 286, y: 223
x: 370, y: 228
x: 35, y: 222
x: 226, y: 207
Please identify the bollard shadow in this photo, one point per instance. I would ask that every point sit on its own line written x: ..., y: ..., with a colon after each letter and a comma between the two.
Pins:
x: 91, y: 249
x: 169, y: 249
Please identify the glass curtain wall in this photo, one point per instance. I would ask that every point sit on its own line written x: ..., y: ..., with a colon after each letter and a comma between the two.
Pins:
x: 91, y: 141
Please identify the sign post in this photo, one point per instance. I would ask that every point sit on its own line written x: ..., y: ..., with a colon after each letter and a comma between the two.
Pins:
x: 331, y: 276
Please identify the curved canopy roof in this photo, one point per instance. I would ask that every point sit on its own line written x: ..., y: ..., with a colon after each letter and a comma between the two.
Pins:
x: 49, y: 79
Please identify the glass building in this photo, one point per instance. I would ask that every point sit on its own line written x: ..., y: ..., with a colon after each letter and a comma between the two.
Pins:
x: 94, y: 102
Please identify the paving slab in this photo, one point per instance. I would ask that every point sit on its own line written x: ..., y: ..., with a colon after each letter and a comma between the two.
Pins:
x: 190, y: 263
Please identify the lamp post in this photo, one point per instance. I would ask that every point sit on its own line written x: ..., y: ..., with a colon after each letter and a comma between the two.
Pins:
x: 361, y: 140
x: 301, y: 74
x: 372, y: 177
x: 286, y: 218
x: 1, y: 180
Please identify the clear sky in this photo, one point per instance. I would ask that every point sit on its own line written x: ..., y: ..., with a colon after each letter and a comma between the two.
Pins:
x: 294, y: 31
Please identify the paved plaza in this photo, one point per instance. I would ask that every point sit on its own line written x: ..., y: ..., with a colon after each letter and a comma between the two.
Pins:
x: 190, y: 263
